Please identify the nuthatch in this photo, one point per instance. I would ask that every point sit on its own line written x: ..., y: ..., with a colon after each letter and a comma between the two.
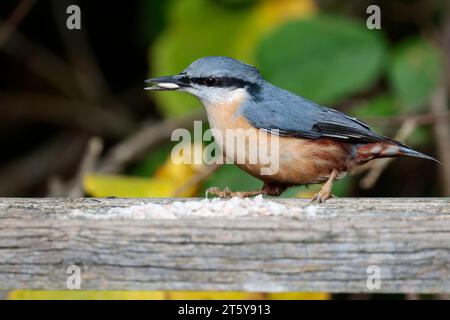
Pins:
x: 316, y: 144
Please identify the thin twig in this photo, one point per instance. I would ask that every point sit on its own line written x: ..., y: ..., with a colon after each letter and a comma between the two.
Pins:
x: 67, y: 112
x: 442, y: 132
x: 439, y: 101
x: 420, y: 119
x: 88, y: 163
x: 74, y: 188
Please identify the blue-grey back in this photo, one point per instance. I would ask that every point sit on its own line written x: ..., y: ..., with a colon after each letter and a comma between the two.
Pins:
x: 276, y: 108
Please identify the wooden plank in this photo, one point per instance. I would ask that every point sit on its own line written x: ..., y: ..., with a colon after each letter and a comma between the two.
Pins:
x: 326, y: 248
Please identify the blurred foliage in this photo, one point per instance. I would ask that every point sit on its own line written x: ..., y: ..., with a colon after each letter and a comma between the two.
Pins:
x: 200, y: 28
x: 85, y: 295
x: 323, y: 58
x: 383, y: 105
x: 233, y: 177
x: 299, y: 296
x: 150, y: 164
x: 129, y: 187
x: 415, y: 71
x: 160, y: 295
x: 166, y: 181
x: 151, y: 19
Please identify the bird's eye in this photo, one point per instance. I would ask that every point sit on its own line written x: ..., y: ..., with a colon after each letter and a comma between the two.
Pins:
x: 211, y: 81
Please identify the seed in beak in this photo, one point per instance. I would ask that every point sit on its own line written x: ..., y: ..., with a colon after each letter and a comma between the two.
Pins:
x: 163, y: 86
x: 168, y: 85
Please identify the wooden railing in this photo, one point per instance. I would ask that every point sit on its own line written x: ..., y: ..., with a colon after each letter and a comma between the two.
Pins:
x: 345, y: 245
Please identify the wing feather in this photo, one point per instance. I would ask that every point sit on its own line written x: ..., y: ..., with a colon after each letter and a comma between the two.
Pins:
x: 293, y: 115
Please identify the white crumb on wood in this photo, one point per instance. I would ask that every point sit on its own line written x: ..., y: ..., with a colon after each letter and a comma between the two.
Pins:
x: 227, y: 208
x: 311, y: 210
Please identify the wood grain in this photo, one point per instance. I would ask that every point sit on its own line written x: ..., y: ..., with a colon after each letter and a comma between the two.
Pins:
x: 408, y: 239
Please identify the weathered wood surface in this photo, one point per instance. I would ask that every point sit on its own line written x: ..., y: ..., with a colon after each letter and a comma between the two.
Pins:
x: 408, y: 239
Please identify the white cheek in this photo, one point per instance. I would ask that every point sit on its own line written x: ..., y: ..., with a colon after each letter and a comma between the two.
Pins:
x: 192, y: 90
x: 212, y: 97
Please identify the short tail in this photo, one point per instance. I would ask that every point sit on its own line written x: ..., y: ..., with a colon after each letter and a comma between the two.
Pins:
x: 406, y: 151
x: 387, y: 149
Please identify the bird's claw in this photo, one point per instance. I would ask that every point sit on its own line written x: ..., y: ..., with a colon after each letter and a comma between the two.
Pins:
x: 225, y: 193
x: 322, y: 196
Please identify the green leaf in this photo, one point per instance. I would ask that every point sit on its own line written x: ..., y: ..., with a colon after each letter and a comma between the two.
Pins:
x: 197, y: 28
x: 415, y: 70
x: 421, y: 137
x: 293, y: 192
x: 324, y: 58
x: 383, y: 105
x: 342, y: 187
x: 234, y: 178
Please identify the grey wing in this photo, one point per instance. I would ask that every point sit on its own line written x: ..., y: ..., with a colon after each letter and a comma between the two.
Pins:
x: 295, y: 116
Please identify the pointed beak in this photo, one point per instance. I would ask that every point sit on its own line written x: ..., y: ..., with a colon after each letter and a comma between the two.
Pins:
x: 165, y: 83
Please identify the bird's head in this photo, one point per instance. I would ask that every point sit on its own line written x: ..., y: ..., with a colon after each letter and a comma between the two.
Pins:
x: 211, y: 79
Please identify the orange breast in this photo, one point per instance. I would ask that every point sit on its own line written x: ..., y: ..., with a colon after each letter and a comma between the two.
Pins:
x: 300, y: 161
x: 305, y: 161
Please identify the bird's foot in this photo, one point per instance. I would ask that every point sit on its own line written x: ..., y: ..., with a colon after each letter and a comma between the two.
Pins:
x: 322, y: 196
x: 227, y: 193
x: 325, y: 192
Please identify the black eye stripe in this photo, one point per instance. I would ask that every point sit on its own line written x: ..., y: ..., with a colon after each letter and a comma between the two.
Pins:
x: 222, y: 82
x: 184, y: 79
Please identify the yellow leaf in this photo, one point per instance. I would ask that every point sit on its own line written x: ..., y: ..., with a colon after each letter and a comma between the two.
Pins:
x: 266, y: 17
x: 167, y: 181
x: 308, y: 194
x: 174, y: 167
x: 161, y: 295
x: 299, y: 296
x: 127, y: 186
x: 212, y: 295
x: 85, y: 295
x: 180, y: 172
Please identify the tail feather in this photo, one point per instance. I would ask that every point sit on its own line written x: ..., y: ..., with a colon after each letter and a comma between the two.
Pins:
x: 389, y: 149
x: 416, y: 154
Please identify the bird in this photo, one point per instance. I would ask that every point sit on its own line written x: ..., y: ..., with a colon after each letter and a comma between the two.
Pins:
x: 316, y: 144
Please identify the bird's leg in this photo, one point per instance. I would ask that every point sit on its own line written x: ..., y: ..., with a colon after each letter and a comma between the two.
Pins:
x: 268, y: 189
x: 325, y: 191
